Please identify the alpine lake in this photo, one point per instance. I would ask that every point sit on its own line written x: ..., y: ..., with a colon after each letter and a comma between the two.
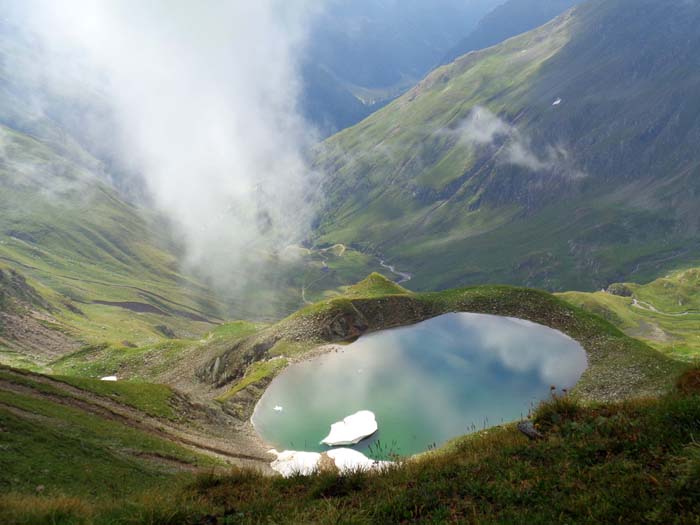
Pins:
x: 426, y: 383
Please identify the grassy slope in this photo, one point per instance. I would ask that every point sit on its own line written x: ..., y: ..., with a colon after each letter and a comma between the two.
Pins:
x: 453, y: 213
x: 610, y: 463
x: 151, y: 362
x: 632, y: 462
x: 151, y: 399
x: 51, y: 441
x: 78, y: 243
x: 89, y: 252
x: 666, y: 317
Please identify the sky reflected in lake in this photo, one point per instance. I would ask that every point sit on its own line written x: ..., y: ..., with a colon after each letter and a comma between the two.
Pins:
x: 426, y: 383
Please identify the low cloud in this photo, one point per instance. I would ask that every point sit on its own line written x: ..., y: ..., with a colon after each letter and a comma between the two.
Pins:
x: 483, y: 128
x: 204, y: 101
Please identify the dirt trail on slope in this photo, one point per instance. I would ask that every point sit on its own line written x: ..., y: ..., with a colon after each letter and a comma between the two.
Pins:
x: 238, y: 448
x: 642, y: 305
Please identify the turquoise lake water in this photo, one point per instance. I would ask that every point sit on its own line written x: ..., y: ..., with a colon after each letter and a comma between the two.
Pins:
x: 426, y: 383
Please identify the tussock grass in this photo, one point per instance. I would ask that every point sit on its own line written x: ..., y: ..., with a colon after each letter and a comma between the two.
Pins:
x: 30, y: 509
x: 634, y: 461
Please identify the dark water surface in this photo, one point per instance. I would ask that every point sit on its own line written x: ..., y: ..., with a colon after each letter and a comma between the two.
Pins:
x: 426, y: 383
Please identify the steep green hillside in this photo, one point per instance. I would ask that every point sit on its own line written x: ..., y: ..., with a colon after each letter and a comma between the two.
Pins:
x: 62, y: 223
x: 564, y: 158
x: 361, y: 54
x: 107, y: 266
x: 96, y: 260
x: 71, y: 442
x: 664, y: 313
x: 79, y: 266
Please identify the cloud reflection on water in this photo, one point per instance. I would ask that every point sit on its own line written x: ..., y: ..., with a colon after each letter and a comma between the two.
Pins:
x: 426, y: 383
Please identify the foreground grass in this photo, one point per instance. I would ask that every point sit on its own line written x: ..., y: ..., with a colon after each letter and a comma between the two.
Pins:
x: 151, y: 399
x: 55, y: 449
x: 632, y: 462
x: 154, y: 400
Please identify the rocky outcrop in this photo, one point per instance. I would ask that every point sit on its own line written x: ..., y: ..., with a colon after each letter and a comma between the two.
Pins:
x: 339, y: 320
x: 620, y: 290
x: 16, y: 293
x: 233, y: 363
x: 528, y: 428
x: 242, y: 404
x: 27, y: 325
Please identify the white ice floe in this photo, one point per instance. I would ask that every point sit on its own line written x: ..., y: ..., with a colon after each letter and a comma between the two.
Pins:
x: 348, y: 460
x: 352, y: 429
x: 292, y: 462
x: 108, y: 378
x: 278, y: 408
x: 556, y: 102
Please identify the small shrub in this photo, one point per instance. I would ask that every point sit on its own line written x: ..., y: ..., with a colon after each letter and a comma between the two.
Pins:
x: 555, y: 412
x: 332, y: 485
x: 689, y: 383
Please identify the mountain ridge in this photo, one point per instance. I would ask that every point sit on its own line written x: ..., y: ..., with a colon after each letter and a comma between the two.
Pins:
x: 568, y: 173
x: 506, y: 21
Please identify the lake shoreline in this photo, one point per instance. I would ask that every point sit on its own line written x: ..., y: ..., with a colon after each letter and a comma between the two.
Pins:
x: 432, y: 359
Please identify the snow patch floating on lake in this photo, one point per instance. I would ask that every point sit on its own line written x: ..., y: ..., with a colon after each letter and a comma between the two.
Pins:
x: 348, y: 460
x: 108, y: 378
x: 292, y: 462
x: 352, y: 429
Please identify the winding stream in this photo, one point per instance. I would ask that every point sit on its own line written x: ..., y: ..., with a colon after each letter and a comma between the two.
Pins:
x: 403, y: 276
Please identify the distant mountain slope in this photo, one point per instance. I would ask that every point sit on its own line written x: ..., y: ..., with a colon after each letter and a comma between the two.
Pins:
x: 74, y: 224
x: 79, y: 263
x: 565, y: 158
x: 363, y: 53
x: 41, y: 100
x: 507, y: 20
x: 97, y: 268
